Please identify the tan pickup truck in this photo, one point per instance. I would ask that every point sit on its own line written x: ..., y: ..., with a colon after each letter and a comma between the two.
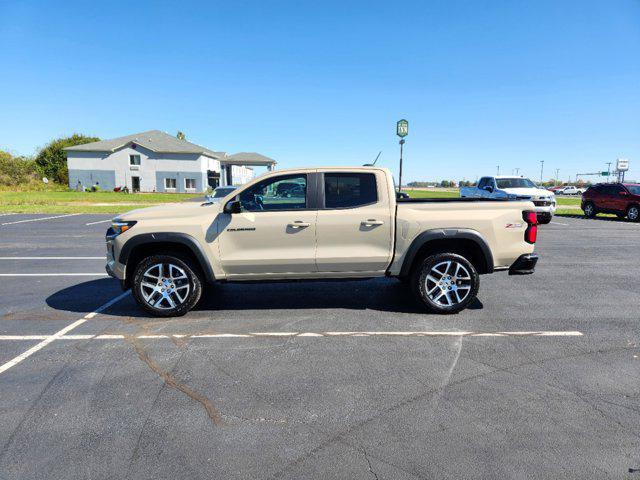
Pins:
x: 320, y: 223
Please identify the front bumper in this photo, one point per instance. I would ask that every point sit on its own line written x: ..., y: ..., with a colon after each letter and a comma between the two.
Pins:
x: 524, y: 265
x: 114, y: 268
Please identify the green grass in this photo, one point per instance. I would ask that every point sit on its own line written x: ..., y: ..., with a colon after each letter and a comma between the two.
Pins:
x: 65, y: 201
x: 433, y: 193
x: 83, y: 202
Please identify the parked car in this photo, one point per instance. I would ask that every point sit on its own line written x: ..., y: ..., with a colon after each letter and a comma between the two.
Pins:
x: 349, y: 225
x: 557, y: 189
x: 622, y: 199
x: 219, y: 193
x: 572, y: 190
x: 515, y: 188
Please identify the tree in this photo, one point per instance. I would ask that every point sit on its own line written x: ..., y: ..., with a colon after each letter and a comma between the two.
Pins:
x: 52, y: 159
x: 180, y: 135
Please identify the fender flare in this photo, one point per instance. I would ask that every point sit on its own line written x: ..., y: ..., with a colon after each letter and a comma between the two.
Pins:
x: 449, y: 234
x: 169, y: 237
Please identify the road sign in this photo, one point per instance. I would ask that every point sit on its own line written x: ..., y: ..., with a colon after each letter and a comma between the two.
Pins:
x: 604, y: 174
x: 622, y: 165
x: 402, y: 128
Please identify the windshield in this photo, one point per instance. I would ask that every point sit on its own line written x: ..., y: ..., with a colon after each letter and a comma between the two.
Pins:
x: 514, y: 183
x: 634, y: 189
x: 222, y: 192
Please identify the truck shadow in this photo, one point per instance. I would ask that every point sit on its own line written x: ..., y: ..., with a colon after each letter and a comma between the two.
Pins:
x: 386, y: 295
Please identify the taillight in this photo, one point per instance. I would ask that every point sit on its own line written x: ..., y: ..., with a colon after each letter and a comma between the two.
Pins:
x: 531, y: 233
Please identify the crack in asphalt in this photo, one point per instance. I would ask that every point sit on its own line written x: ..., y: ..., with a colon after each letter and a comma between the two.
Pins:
x: 366, y: 457
x: 173, y: 382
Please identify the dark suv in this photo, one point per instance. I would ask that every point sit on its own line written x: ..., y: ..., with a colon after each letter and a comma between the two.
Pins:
x: 623, y: 199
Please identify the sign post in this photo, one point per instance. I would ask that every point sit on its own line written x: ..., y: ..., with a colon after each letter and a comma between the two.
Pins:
x: 402, y: 130
x: 622, y: 165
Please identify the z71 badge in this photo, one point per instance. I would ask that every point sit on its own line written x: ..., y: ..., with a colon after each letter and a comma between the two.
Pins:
x: 513, y: 225
x: 240, y: 229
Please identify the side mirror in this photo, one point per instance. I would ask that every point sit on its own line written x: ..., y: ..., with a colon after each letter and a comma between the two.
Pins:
x: 234, y: 206
x: 624, y: 193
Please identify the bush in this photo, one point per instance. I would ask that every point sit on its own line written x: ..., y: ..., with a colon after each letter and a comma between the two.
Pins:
x: 52, y: 159
x: 15, y: 171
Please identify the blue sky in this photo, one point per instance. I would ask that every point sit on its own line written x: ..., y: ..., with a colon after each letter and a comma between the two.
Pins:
x: 482, y: 84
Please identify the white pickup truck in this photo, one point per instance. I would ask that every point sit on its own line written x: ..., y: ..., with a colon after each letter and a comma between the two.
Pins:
x: 320, y: 223
x: 515, y: 188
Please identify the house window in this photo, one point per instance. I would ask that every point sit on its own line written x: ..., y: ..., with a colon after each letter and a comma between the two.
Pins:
x: 190, y: 183
x: 134, y: 159
x: 169, y: 183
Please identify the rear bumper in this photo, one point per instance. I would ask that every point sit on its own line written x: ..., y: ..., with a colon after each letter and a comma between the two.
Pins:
x: 524, y: 265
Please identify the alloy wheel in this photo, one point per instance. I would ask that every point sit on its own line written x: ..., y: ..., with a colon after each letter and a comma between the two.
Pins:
x: 165, y: 286
x: 448, y: 283
x: 588, y: 210
x: 633, y: 213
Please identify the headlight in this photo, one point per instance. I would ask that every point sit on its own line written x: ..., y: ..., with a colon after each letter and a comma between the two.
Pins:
x: 118, y: 227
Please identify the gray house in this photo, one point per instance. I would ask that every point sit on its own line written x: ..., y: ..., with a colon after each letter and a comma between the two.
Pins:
x: 155, y: 161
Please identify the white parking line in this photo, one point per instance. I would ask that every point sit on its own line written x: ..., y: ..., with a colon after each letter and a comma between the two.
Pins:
x: 95, y: 223
x: 59, y: 334
x: 558, y: 223
x: 543, y: 333
x: 6, y: 214
x: 39, y: 219
x: 102, y: 274
x: 53, y: 258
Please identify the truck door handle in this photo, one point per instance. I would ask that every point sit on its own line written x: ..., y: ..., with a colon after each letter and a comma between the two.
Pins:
x: 299, y: 224
x: 371, y: 222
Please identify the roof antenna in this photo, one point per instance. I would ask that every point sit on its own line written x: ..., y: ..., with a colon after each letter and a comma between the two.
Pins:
x: 374, y: 162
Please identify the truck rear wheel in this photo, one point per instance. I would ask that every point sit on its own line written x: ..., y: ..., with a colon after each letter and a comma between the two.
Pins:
x: 166, y: 285
x: 446, y: 282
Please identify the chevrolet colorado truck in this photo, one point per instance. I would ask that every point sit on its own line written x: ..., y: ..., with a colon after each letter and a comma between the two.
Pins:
x: 328, y: 223
x: 516, y: 188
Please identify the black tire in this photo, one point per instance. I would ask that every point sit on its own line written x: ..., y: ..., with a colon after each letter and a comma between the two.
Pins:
x: 633, y: 213
x: 429, y: 298
x: 589, y: 210
x: 181, y: 266
x: 544, y: 220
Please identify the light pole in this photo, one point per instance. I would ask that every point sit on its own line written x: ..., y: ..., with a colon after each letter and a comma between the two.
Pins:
x: 557, y: 173
x: 541, y: 169
x: 402, y: 130
x: 517, y: 171
x: 498, y: 167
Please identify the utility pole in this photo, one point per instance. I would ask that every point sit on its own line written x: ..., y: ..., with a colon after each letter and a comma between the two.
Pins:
x: 541, y: 169
x: 609, y: 171
x: 517, y: 170
x: 498, y: 167
x: 402, y: 130
x: 557, y: 173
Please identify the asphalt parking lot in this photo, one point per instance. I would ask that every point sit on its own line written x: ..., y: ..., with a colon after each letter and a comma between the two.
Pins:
x: 540, y: 379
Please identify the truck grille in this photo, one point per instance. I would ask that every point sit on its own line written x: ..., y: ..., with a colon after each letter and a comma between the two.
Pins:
x: 542, y: 203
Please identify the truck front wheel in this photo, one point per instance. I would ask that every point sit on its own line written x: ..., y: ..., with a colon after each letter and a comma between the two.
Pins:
x: 166, y: 285
x: 446, y: 282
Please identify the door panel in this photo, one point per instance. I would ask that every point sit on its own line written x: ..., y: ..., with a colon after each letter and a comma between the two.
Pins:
x: 269, y: 242
x: 276, y: 230
x: 354, y: 239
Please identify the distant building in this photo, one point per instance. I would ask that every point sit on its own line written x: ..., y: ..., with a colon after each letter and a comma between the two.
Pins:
x: 155, y: 161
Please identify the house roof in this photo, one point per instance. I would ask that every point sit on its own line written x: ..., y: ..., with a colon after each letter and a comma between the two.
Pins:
x: 154, y: 140
x: 249, y: 158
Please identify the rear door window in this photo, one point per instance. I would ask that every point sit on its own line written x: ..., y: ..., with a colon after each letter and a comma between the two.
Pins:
x: 349, y: 190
